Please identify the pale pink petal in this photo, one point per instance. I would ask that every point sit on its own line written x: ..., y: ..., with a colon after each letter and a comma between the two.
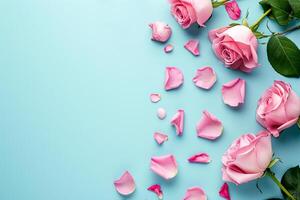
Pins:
x: 199, y: 158
x: 193, y: 47
x: 160, y: 31
x: 195, y: 193
x: 157, y: 190
x: 154, y: 97
x: 125, y: 184
x: 209, y: 127
x: 234, y: 92
x: 224, y: 191
x: 205, y: 78
x: 168, y: 48
x: 173, y: 78
x: 164, y: 166
x: 161, y: 113
x: 233, y: 10
x: 178, y: 121
x: 160, y: 137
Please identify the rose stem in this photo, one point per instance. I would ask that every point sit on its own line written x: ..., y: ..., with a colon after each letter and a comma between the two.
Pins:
x: 260, y: 19
x: 272, y: 176
x: 219, y: 3
x: 288, y: 30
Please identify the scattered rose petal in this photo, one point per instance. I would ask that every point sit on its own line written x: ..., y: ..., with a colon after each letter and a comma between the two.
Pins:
x: 157, y: 190
x: 224, y: 191
x: 173, y: 78
x: 125, y: 184
x: 205, y: 78
x: 234, y: 92
x: 160, y: 31
x: 209, y: 127
x: 178, y: 121
x: 233, y: 10
x: 164, y: 166
x: 193, y: 47
x: 168, y: 48
x: 161, y: 113
x: 199, y: 158
x: 154, y: 97
x: 160, y: 137
x: 195, y: 193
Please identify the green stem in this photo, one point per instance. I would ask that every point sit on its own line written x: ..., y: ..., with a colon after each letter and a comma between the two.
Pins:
x: 277, y: 182
x: 289, y: 30
x: 219, y: 3
x: 256, y: 24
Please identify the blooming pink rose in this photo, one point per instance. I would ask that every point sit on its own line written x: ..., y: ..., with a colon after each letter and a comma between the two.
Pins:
x: 278, y: 108
x: 247, y: 158
x: 233, y: 10
x: 235, y: 46
x: 187, y: 12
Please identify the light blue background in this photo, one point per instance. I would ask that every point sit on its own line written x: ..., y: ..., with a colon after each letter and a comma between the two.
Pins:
x: 75, y: 113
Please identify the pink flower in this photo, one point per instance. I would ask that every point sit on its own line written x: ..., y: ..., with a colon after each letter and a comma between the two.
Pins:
x: 160, y: 31
x: 233, y: 10
x: 247, y: 158
x: 187, y: 12
x: 236, y: 47
x: 278, y: 108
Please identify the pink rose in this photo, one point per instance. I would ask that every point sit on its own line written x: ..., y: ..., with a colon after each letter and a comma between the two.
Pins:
x: 187, y: 12
x: 247, y: 158
x: 278, y: 108
x: 235, y: 46
x: 233, y: 10
x: 160, y: 31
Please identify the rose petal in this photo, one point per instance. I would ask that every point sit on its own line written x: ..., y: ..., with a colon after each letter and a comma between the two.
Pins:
x: 157, y: 190
x: 125, y: 184
x: 160, y: 137
x: 193, y: 47
x: 161, y: 113
x: 168, y: 48
x: 161, y: 31
x: 195, y: 193
x: 178, y: 121
x: 233, y: 10
x: 164, y: 166
x: 209, y: 127
x: 173, y: 78
x: 224, y: 191
x: 154, y: 97
x: 234, y: 92
x: 205, y: 78
x: 199, y: 158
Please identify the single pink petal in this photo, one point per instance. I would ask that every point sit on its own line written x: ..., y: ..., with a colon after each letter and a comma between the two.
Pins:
x: 193, y: 47
x: 224, y: 191
x: 178, y: 121
x: 173, y: 78
x: 209, y: 127
x: 195, y: 193
x: 168, y: 48
x: 161, y: 113
x: 205, y: 78
x: 233, y: 10
x: 160, y: 137
x: 154, y: 97
x: 157, y: 190
x: 164, y: 166
x: 234, y: 92
x: 199, y: 158
x: 125, y: 184
x: 160, y: 31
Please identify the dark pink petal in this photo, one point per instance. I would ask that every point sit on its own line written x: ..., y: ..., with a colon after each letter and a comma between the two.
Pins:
x: 154, y: 97
x: 173, y: 78
x: 195, y: 193
x: 199, y: 158
x: 205, y: 78
x: 193, y: 47
x: 209, y: 127
x: 234, y: 92
x: 157, y: 190
x: 178, y: 121
x: 168, y: 48
x: 233, y: 10
x: 224, y: 191
x: 164, y: 166
x: 125, y: 184
x: 160, y: 137
x: 161, y: 113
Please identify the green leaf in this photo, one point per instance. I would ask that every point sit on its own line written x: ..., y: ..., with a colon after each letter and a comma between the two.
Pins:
x: 233, y: 24
x: 291, y: 181
x: 284, y: 56
x: 295, y: 4
x: 281, y: 10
